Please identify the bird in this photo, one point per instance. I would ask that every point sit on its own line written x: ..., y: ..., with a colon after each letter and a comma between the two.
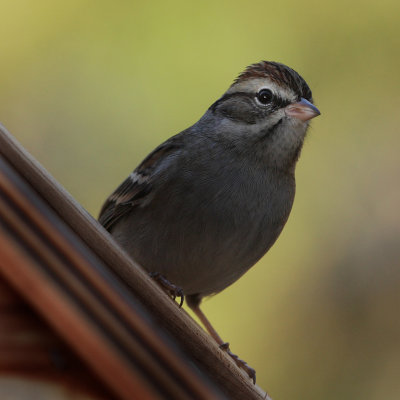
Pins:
x: 209, y: 202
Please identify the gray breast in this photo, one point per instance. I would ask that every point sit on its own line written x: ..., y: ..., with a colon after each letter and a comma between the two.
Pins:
x: 208, y: 225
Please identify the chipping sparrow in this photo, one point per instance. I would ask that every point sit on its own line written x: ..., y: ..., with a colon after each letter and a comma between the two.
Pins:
x: 205, y: 205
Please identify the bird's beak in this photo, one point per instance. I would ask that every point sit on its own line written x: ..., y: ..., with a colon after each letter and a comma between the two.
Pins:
x: 303, y: 110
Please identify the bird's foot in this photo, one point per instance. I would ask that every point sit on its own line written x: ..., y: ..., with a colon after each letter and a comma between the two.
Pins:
x: 251, y: 372
x: 172, y: 290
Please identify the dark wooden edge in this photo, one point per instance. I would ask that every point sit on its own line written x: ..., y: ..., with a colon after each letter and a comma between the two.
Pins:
x: 30, y: 350
x: 119, y: 270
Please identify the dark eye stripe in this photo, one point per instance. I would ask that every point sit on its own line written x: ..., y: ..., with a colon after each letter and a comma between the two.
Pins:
x: 277, y: 102
x: 280, y: 103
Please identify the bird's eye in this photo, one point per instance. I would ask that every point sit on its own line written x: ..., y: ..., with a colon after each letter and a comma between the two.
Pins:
x: 264, y: 96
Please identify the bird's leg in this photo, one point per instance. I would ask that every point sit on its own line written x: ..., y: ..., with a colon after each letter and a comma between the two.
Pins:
x: 173, y: 290
x: 193, y: 302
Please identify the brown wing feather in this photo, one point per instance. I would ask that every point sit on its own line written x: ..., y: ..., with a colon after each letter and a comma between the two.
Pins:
x: 135, y: 188
x: 121, y: 201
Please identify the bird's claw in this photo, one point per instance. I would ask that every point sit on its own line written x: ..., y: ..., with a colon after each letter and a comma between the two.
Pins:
x: 172, y: 290
x: 251, y: 372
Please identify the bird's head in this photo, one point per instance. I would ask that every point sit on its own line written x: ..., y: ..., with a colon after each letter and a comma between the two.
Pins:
x: 268, y: 105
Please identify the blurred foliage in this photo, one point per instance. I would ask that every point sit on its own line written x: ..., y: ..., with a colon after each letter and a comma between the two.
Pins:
x: 90, y: 87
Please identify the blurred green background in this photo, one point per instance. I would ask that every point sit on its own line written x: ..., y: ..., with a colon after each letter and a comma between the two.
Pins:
x: 90, y: 87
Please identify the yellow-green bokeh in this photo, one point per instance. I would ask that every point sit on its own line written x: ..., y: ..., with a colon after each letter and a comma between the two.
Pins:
x: 90, y: 87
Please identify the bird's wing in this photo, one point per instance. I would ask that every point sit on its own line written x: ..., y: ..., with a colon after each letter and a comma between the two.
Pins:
x: 135, y: 190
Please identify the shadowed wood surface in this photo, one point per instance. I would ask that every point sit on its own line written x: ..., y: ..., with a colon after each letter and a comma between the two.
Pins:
x: 195, y: 343
x: 31, y: 356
